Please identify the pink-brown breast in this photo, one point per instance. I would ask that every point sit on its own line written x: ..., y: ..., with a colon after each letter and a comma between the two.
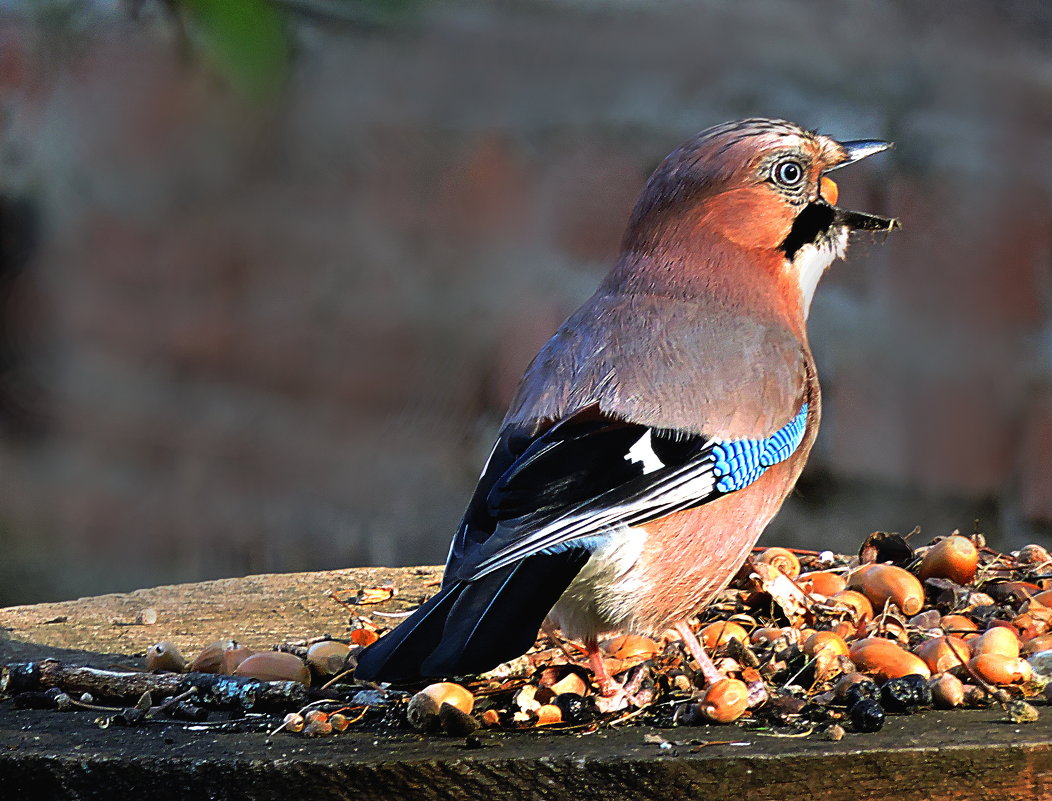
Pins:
x: 689, y: 556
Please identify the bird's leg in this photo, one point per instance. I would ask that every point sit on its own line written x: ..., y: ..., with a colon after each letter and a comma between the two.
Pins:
x: 608, y: 685
x: 613, y: 696
x: 697, y: 650
x: 552, y: 634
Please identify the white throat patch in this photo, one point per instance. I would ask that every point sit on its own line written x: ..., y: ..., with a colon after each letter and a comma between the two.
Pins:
x: 811, y: 261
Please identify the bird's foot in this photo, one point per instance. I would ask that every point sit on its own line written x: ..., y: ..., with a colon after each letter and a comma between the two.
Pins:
x: 614, y: 696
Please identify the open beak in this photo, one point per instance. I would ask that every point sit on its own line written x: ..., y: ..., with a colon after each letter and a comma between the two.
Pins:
x: 856, y: 220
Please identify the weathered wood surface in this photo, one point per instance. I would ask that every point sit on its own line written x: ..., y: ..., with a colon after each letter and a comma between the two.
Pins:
x: 961, y: 755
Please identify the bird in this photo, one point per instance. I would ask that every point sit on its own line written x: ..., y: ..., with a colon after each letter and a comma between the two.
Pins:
x: 659, y: 430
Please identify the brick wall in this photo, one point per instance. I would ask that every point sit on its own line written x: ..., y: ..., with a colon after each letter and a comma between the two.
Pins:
x: 282, y: 338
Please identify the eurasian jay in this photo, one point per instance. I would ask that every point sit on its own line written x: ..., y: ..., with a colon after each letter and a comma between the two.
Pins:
x: 660, y: 429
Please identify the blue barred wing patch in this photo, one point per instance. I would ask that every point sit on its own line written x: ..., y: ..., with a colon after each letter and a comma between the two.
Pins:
x: 740, y: 462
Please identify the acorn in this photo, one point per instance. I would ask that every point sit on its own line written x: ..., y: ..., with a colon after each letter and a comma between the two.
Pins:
x: 783, y: 559
x: 943, y: 653
x: 718, y: 634
x: 825, y: 641
x: 725, y: 701
x: 947, y: 691
x: 630, y: 646
x: 822, y: 582
x: 885, y: 659
x: 315, y: 714
x: 294, y: 722
x: 999, y: 640
x: 210, y: 658
x: 766, y: 635
x: 955, y: 558
x: 318, y: 728
x: 165, y: 656
x: 1044, y: 598
x: 339, y: 721
x: 328, y: 657
x: 882, y: 583
x: 455, y: 722
x: 423, y: 709
x: 861, y: 608
x: 232, y: 658
x: 999, y: 669
x: 274, y: 666
x: 958, y: 623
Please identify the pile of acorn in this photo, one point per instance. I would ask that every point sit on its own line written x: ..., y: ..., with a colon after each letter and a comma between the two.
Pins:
x: 892, y: 630
x: 808, y: 642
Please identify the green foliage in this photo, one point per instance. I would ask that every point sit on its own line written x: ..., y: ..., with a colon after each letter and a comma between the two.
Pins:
x: 246, y: 42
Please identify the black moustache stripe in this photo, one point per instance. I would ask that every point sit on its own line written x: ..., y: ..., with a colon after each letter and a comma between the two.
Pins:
x: 811, y: 224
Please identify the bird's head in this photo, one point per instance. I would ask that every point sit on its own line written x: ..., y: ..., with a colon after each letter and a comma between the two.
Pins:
x: 760, y: 185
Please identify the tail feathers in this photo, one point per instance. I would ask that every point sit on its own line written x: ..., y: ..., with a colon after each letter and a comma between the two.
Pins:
x: 397, y: 656
x: 471, y: 627
x: 498, y: 617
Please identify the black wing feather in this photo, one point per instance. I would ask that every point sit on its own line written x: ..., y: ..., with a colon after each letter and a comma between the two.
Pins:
x: 476, y: 622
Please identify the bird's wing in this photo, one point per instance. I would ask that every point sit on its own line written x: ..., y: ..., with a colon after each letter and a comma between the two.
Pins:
x: 590, y: 474
x: 637, y: 407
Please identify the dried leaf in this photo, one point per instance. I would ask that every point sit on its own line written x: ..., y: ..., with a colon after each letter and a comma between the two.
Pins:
x: 791, y: 599
x: 375, y: 595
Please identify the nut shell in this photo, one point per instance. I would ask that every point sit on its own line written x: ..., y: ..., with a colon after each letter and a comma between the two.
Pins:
x: 1042, y: 642
x: 549, y: 714
x: 1033, y: 555
x: 955, y: 558
x: 882, y: 583
x: 783, y: 559
x: 885, y: 659
x: 859, y: 603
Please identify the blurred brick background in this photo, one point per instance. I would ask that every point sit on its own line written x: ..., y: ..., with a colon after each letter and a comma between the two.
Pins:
x: 281, y: 338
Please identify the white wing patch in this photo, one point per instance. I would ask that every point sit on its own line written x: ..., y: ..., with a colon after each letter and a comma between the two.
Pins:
x: 643, y: 452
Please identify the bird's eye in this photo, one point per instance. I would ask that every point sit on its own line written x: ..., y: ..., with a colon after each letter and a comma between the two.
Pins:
x: 788, y: 173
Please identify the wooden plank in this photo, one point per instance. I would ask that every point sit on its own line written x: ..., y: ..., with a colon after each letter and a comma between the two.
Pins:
x: 973, y: 754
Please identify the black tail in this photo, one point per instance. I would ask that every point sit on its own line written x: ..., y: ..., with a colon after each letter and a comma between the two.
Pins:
x: 472, y: 626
